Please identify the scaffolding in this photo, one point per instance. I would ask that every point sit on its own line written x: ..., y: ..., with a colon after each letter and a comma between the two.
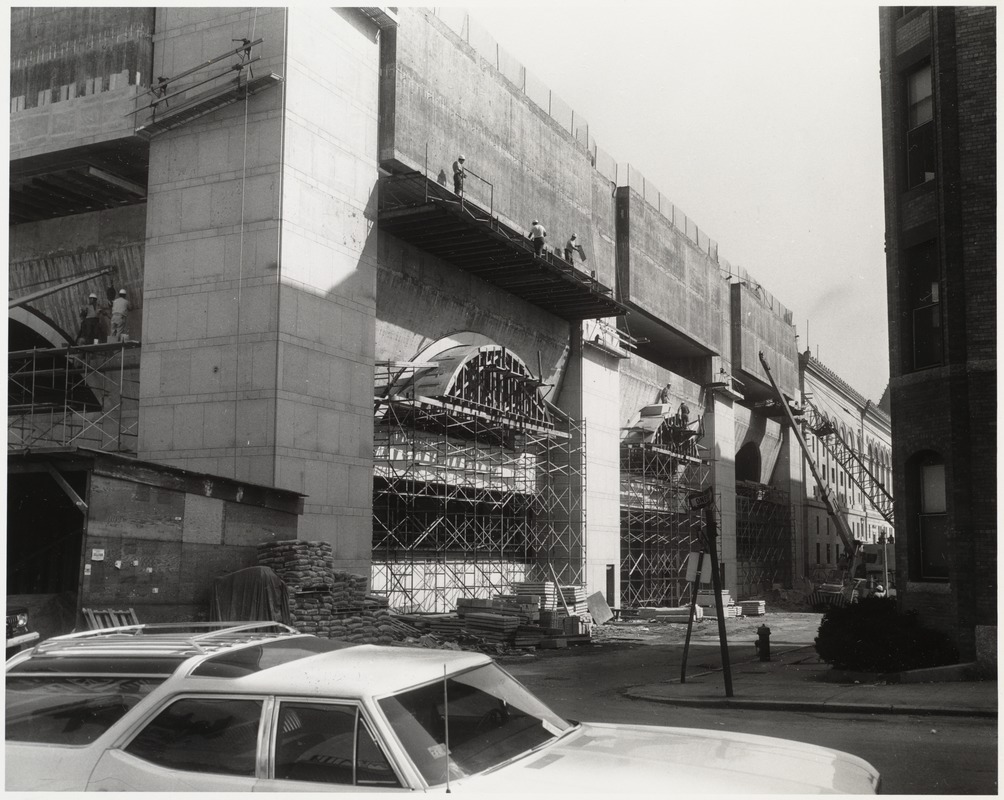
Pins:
x: 764, y: 539
x: 79, y: 395
x: 849, y: 460
x: 478, y: 484
x: 660, y: 466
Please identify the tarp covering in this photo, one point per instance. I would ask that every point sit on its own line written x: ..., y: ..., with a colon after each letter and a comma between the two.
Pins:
x: 255, y: 593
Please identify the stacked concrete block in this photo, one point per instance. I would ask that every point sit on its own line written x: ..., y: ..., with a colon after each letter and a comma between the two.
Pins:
x: 323, y: 601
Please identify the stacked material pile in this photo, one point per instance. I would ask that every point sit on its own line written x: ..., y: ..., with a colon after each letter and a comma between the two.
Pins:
x: 466, y: 605
x: 545, y: 590
x: 753, y: 608
x: 672, y: 614
x: 706, y: 600
x: 324, y: 602
x: 575, y: 599
x: 492, y: 627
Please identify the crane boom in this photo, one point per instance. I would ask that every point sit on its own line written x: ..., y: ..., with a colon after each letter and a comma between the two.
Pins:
x: 846, y: 536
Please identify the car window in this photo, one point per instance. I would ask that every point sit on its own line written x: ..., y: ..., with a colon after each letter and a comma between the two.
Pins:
x: 328, y: 743
x: 69, y: 710
x: 202, y: 734
x: 491, y: 719
x: 248, y: 660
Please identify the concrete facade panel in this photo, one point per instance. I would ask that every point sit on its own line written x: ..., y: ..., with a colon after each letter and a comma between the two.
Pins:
x: 664, y: 273
x: 447, y: 100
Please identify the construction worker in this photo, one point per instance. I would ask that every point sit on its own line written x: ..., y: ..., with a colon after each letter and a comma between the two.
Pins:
x: 571, y: 246
x: 120, y: 314
x: 537, y: 234
x: 459, y: 173
x: 90, y: 327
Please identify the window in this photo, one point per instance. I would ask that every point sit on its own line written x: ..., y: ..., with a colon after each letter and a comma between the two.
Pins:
x: 328, y: 743
x: 829, y: 555
x: 923, y: 302
x: 69, y: 710
x: 203, y: 734
x: 817, y: 552
x: 920, y: 150
x: 933, y: 522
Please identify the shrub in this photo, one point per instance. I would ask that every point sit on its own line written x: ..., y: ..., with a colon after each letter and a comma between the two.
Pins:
x: 873, y: 636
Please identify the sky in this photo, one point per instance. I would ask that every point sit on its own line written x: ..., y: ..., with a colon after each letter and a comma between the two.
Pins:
x: 761, y: 121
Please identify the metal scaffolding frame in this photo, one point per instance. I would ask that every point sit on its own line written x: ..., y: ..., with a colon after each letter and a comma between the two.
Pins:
x: 475, y: 489
x: 658, y: 528
x: 79, y: 395
x: 764, y: 540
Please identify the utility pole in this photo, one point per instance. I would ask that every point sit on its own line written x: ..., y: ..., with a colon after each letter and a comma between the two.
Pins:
x: 706, y: 500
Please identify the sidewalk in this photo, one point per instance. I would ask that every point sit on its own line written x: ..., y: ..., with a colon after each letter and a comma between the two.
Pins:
x: 795, y: 680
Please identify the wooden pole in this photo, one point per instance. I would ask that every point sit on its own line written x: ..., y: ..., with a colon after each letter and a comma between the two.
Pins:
x: 711, y: 536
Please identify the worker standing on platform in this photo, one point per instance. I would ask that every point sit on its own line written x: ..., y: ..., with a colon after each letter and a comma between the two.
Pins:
x: 571, y: 246
x: 90, y: 328
x: 537, y: 234
x: 120, y: 315
x: 459, y: 173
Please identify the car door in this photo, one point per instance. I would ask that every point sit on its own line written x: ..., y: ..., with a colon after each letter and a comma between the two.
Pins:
x: 192, y: 743
x: 324, y: 746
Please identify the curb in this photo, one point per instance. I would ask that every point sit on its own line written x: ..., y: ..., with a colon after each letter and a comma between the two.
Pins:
x: 806, y: 705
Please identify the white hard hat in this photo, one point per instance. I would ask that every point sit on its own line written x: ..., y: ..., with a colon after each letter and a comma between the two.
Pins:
x: 535, y: 222
x: 92, y: 295
x: 461, y: 158
x: 122, y: 291
x: 573, y: 235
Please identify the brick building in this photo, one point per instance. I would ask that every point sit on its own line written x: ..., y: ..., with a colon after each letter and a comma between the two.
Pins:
x: 938, y: 67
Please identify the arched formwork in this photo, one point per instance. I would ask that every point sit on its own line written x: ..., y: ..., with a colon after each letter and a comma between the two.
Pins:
x: 478, y: 482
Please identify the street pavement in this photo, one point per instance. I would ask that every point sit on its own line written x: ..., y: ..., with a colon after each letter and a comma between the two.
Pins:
x: 794, y: 679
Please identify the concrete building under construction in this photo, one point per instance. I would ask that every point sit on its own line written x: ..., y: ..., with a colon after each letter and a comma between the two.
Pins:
x: 323, y: 326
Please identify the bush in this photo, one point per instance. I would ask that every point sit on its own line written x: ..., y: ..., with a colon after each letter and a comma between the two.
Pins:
x: 872, y: 636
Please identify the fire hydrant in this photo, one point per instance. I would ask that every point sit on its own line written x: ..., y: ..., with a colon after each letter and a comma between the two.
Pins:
x: 763, y: 642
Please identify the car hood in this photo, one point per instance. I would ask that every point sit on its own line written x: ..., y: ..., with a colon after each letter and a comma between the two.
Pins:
x: 630, y: 758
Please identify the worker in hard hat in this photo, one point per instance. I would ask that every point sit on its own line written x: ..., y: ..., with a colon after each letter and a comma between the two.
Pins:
x: 459, y: 174
x: 571, y: 246
x: 120, y: 314
x: 90, y: 330
x: 537, y: 234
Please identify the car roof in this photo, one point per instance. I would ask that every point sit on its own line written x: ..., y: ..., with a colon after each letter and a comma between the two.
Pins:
x: 232, y: 654
x: 360, y: 671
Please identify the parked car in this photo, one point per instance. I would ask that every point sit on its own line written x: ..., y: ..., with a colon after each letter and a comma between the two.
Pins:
x: 258, y: 706
x: 18, y: 632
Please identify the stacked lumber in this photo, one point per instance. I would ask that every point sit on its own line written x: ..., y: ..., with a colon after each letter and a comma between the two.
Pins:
x: 466, y: 605
x: 575, y: 599
x: 545, y: 590
x: 671, y: 614
x: 753, y: 608
x: 497, y: 628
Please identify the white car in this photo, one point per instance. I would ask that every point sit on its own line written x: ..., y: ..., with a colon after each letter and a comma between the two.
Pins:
x: 261, y: 707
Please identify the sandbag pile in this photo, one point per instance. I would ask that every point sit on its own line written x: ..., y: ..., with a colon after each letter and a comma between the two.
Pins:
x: 324, y: 602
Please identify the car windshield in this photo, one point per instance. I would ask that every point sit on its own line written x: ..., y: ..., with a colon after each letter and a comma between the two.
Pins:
x: 491, y: 718
x: 70, y: 710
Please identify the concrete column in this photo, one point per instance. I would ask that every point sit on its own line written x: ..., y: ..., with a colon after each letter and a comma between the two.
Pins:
x: 719, y: 427
x: 259, y: 283
x: 600, y: 388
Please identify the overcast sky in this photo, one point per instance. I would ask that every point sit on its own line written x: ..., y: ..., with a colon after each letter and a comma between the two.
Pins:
x: 761, y: 121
